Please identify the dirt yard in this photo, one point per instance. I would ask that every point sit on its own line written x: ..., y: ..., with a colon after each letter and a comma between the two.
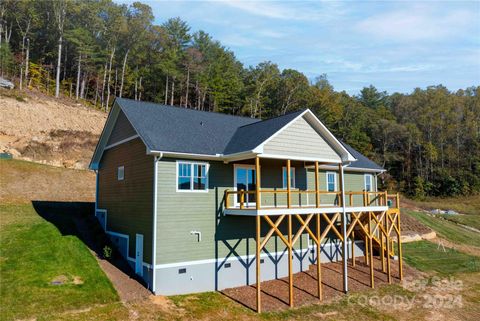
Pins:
x: 56, y: 132
x: 275, y: 292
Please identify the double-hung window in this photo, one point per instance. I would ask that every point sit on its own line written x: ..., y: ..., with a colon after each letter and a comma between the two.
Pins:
x: 192, y: 176
x: 331, y: 181
x: 292, y: 177
x: 368, y: 178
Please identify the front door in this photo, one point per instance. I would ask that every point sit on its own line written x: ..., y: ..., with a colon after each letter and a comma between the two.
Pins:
x: 245, y: 180
x: 139, y: 254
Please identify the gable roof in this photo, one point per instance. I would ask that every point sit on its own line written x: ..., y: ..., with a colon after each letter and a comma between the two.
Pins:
x: 168, y: 129
x: 249, y: 136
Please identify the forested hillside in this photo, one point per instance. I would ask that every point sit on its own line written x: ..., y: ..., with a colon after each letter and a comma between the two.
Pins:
x: 95, y: 50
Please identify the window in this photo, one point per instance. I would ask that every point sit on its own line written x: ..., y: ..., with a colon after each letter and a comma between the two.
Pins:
x: 292, y: 177
x: 192, y: 176
x: 368, y: 182
x: 120, y: 173
x: 331, y: 181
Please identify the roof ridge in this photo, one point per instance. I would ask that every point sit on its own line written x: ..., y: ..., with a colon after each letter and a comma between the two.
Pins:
x: 189, y: 109
x: 274, y: 118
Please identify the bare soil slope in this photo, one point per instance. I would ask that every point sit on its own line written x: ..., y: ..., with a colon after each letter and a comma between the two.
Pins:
x: 39, y: 128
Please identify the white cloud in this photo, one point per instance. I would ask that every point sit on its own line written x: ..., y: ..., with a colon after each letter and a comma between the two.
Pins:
x: 288, y: 10
x: 418, y: 22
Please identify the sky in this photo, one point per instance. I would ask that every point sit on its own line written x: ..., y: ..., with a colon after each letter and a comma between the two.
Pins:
x: 394, y: 45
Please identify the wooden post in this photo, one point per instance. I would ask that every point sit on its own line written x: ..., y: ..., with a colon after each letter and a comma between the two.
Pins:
x: 227, y: 202
x: 388, y: 250
x: 365, y: 244
x: 317, y: 195
x: 242, y: 199
x: 370, y: 245
x: 290, y: 263
x: 399, y: 244
x: 257, y: 263
x: 289, y: 199
x: 351, y: 199
x: 319, y: 272
x: 382, y: 245
x: 353, y: 248
x: 258, y: 196
x: 364, y: 198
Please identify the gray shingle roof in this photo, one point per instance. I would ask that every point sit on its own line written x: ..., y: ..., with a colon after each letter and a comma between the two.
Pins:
x: 362, y: 161
x: 183, y: 130
x: 250, y: 136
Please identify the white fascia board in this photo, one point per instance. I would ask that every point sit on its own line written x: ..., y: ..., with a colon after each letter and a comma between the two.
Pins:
x: 183, y: 155
x: 299, y: 158
x: 349, y: 169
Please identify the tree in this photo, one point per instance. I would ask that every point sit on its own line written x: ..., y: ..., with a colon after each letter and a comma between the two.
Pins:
x: 60, y: 11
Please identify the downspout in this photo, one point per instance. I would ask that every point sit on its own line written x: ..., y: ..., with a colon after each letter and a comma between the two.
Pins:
x: 156, y: 158
x: 344, y: 231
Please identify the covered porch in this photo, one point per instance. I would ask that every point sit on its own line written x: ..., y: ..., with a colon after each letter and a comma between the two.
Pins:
x: 370, y: 216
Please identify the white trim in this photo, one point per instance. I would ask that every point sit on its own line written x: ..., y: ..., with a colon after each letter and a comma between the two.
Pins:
x: 303, y: 210
x: 121, y: 142
x: 191, y: 190
x: 284, y: 184
x: 299, y: 158
x: 231, y: 258
x: 235, y: 166
x: 365, y: 182
x: 349, y: 169
x: 184, y: 155
x: 335, y: 180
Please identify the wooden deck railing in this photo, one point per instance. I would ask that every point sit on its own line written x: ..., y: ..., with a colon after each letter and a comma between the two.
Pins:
x: 272, y: 198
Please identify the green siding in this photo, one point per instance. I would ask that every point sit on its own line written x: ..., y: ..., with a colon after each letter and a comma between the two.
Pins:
x: 179, y: 213
x: 129, y: 203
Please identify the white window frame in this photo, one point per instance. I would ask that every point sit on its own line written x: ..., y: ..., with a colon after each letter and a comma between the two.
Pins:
x: 235, y: 166
x: 284, y: 183
x: 191, y: 190
x: 365, y: 182
x: 120, y: 170
x: 334, y: 180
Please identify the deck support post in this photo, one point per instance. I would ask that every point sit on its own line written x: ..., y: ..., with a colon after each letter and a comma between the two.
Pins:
x: 317, y: 203
x: 388, y: 247
x: 258, y: 231
x: 344, y: 230
x: 370, y: 248
x: 399, y: 243
x: 353, y: 248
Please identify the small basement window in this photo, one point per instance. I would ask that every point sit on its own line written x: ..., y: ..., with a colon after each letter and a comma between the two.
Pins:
x: 192, y: 176
x: 121, y: 173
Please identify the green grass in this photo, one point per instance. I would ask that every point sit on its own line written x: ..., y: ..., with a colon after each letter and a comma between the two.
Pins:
x: 468, y: 220
x: 447, y: 229
x: 427, y: 256
x: 33, y: 253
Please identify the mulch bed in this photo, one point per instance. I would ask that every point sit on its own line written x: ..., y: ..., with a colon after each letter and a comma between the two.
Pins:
x: 275, y: 292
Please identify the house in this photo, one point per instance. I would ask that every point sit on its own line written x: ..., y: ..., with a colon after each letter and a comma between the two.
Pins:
x: 177, y: 193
